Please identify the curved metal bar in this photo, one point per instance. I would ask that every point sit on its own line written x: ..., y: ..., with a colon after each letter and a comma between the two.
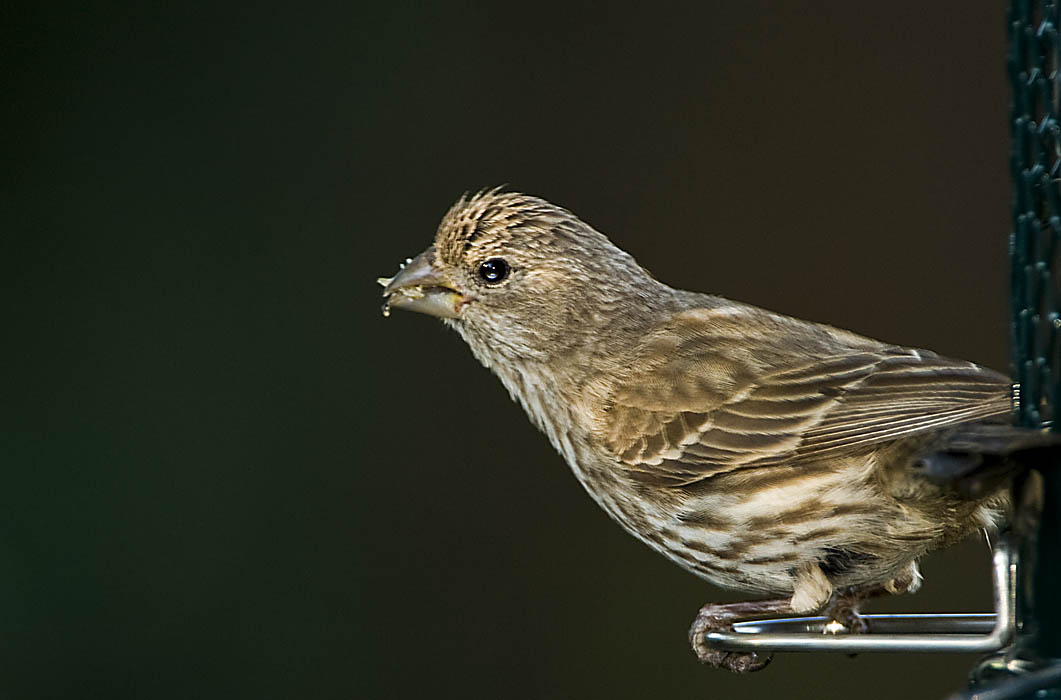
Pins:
x: 906, y: 623
x: 953, y: 632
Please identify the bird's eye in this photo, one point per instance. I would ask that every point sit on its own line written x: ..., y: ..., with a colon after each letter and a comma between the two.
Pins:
x: 494, y: 270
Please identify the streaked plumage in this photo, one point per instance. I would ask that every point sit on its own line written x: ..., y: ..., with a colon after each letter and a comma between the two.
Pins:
x: 758, y: 451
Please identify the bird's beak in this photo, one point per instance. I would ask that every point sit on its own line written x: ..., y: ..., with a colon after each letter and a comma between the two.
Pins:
x: 420, y: 286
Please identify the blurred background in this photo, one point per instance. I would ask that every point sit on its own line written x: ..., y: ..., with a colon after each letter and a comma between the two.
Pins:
x: 227, y: 475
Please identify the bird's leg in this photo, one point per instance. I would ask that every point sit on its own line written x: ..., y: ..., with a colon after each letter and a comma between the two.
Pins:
x: 843, y: 608
x: 719, y: 617
x: 844, y: 602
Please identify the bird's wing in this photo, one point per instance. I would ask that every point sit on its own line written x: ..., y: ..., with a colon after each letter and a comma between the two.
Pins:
x: 708, y: 403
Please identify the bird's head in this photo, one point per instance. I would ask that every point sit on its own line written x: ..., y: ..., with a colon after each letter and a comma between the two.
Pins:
x: 520, y: 277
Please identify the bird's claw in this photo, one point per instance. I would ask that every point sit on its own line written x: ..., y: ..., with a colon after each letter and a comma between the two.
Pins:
x: 715, y: 618
x: 842, y: 610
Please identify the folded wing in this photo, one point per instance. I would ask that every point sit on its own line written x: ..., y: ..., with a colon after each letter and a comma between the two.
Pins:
x: 708, y: 404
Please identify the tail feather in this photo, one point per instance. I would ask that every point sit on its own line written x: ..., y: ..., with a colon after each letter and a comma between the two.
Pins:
x: 977, y: 459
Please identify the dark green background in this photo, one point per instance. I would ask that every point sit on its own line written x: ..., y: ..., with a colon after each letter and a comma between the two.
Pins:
x: 226, y: 475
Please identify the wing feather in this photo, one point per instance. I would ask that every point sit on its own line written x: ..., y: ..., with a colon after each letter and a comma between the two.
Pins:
x: 712, y: 410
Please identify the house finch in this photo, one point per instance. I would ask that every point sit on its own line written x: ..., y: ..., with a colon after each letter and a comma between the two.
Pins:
x: 760, y: 452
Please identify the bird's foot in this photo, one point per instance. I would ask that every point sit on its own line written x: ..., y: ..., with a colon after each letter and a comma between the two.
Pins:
x: 842, y: 610
x: 720, y: 618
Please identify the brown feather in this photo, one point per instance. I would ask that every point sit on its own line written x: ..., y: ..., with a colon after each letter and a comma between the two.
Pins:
x: 838, y: 392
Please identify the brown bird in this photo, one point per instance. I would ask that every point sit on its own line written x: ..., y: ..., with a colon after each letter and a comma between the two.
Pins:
x: 760, y: 452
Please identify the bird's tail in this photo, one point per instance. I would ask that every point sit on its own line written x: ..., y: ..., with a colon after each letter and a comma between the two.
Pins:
x: 976, y: 459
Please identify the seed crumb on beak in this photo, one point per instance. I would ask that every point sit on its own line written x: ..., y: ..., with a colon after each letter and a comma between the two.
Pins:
x: 401, y: 293
x: 420, y: 286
